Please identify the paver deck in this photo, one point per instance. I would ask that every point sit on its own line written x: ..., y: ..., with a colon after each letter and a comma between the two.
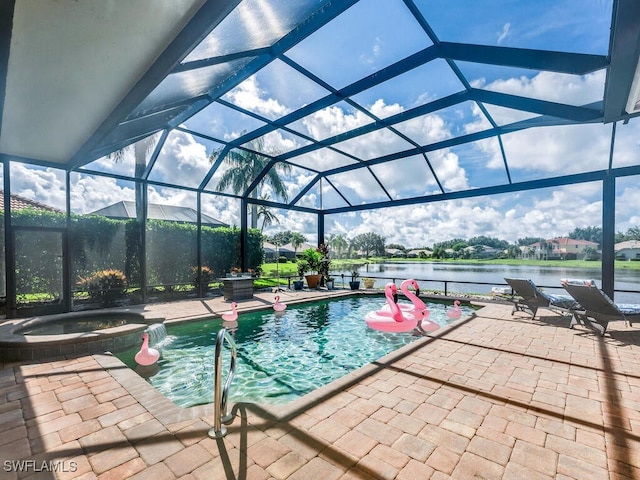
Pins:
x: 495, y: 396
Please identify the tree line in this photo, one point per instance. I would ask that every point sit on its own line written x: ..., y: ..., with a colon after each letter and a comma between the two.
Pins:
x: 373, y: 244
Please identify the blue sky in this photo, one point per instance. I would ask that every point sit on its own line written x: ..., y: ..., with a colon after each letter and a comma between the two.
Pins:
x: 367, y: 37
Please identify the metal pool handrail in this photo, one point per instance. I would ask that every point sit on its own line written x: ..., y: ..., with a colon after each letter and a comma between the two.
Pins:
x: 220, y: 395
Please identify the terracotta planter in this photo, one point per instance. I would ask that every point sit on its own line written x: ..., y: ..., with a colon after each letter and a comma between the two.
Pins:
x: 368, y: 283
x: 313, y: 280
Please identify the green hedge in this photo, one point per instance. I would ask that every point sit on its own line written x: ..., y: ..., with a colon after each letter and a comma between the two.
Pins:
x: 99, y: 243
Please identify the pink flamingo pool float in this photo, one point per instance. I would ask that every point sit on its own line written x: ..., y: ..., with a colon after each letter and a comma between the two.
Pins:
x: 416, y: 304
x: 231, y: 315
x: 455, y: 312
x: 146, y: 356
x: 393, y: 320
x: 416, y: 308
x: 277, y: 306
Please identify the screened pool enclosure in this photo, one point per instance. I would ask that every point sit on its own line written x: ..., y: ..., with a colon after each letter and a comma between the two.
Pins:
x: 196, y: 117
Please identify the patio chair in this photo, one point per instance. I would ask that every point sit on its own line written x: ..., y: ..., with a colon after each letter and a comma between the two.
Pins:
x: 532, y: 298
x: 597, y: 309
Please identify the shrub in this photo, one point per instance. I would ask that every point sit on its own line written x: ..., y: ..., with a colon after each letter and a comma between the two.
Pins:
x: 282, y: 259
x: 206, y: 276
x: 104, y: 285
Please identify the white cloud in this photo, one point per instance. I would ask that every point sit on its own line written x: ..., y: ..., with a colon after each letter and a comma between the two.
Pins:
x: 382, y: 110
x: 546, y: 213
x: 376, y: 49
x: 332, y: 121
x: 451, y: 175
x: 250, y: 96
x: 559, y: 149
x: 538, y: 152
x: 45, y: 185
x: 183, y: 161
x: 294, y: 221
x: 551, y: 86
x: 90, y: 193
x: 504, y: 34
x: 425, y: 130
x: 275, y: 141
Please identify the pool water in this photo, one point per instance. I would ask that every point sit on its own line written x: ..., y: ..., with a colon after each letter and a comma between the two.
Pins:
x: 74, y: 326
x: 280, y: 357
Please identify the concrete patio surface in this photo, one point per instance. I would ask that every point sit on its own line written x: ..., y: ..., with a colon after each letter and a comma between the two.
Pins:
x: 494, y: 396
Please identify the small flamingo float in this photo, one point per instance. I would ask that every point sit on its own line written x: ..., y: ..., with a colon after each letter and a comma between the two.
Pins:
x: 393, y: 320
x: 231, y: 315
x: 277, y: 306
x: 455, y: 312
x: 146, y: 356
x: 427, y: 325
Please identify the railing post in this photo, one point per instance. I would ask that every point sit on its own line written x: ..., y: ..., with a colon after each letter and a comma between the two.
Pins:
x: 220, y: 395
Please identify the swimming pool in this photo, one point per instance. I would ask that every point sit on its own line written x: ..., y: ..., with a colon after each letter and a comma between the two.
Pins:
x: 281, y: 357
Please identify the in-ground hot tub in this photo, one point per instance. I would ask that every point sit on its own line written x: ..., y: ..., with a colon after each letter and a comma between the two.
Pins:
x: 76, y: 333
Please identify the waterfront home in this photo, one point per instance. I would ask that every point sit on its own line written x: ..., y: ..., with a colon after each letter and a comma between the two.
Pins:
x: 629, y: 250
x: 564, y: 248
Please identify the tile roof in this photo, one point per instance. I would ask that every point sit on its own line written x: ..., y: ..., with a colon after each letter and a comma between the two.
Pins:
x: 18, y: 203
x: 127, y: 209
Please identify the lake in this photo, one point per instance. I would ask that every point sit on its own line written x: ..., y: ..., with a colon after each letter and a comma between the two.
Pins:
x: 547, y: 277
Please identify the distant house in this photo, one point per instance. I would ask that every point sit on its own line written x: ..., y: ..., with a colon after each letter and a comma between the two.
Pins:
x: 19, y: 203
x: 419, y: 253
x: 629, y: 250
x: 272, y: 252
x: 563, y: 247
x: 290, y: 251
x: 127, y: 209
x: 269, y: 251
x: 395, y: 252
x: 482, y: 251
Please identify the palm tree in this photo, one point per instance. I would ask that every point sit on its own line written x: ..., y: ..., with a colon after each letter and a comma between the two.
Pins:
x: 141, y: 151
x: 544, y: 250
x: 297, y: 239
x: 244, y: 168
x: 549, y: 249
x: 267, y: 216
x: 339, y: 243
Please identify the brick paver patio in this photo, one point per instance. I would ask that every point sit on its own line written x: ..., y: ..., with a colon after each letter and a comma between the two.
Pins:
x: 495, y: 397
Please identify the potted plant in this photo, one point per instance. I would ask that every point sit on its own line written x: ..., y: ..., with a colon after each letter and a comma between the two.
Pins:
x: 354, y: 283
x: 368, y: 282
x: 312, y: 258
x: 302, y: 268
x: 325, y: 264
x: 330, y: 283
